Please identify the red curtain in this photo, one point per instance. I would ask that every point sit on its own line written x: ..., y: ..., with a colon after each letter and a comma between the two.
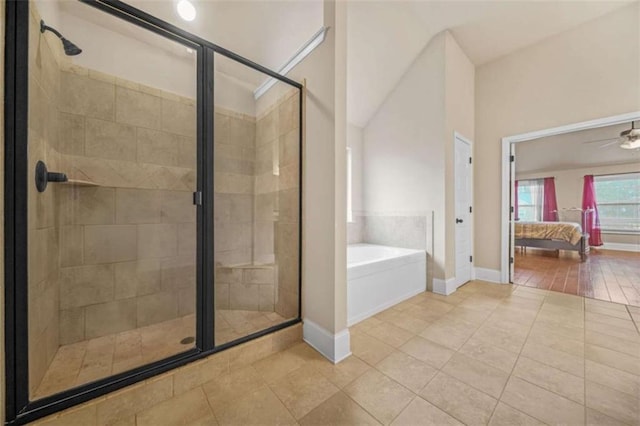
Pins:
x: 592, y: 225
x: 550, y: 204
x: 515, y: 203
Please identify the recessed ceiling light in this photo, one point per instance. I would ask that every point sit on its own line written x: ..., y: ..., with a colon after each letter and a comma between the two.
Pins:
x: 186, y: 10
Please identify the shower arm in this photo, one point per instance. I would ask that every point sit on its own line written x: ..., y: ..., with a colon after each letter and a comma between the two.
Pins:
x: 44, y: 27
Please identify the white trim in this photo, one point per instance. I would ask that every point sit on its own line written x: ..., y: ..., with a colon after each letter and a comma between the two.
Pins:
x: 506, y: 184
x: 299, y: 56
x: 607, y: 231
x: 443, y: 287
x: 489, y: 275
x: 334, y: 347
x: 621, y: 247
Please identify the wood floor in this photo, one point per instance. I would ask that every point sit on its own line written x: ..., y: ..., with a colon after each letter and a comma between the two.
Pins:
x: 606, y: 275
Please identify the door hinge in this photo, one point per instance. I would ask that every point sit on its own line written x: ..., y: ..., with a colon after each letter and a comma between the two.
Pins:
x: 197, y: 198
x: 470, y: 160
x: 512, y: 209
x: 470, y: 258
x: 470, y: 209
x: 511, y: 260
x: 512, y: 158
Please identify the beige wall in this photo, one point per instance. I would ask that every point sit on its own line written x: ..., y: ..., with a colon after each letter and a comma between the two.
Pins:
x: 569, y: 185
x: 404, y: 149
x: 355, y: 142
x: 324, y: 201
x: 589, y: 72
x: 408, y: 144
x: 460, y: 114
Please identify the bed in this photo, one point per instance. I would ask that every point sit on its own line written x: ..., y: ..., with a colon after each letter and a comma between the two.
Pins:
x: 552, y: 236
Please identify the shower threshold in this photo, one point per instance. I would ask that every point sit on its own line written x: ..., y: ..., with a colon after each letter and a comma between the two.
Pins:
x: 89, y: 360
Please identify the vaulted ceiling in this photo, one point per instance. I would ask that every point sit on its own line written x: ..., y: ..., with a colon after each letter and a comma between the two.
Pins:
x: 384, y: 37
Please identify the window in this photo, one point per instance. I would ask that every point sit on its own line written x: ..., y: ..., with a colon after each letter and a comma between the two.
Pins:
x: 618, y: 198
x: 349, y: 186
x: 530, y: 199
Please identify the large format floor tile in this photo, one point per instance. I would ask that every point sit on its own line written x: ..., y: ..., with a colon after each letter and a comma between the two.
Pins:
x: 82, y: 362
x: 431, y: 360
x: 379, y: 395
x: 542, y: 404
x: 463, y: 402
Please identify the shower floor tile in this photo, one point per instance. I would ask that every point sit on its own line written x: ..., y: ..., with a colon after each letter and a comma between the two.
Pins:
x: 234, y: 324
x: 83, y: 362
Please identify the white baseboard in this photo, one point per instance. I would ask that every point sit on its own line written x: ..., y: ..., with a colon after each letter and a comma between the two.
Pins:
x: 334, y: 347
x: 490, y: 275
x: 621, y: 247
x: 443, y: 287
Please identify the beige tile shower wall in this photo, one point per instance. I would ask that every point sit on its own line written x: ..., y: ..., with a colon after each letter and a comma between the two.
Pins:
x: 43, y: 285
x: 128, y: 242
x: 250, y: 288
x: 277, y: 198
x: 234, y: 167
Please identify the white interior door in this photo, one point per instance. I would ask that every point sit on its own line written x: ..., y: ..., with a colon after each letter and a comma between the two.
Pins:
x: 463, y: 210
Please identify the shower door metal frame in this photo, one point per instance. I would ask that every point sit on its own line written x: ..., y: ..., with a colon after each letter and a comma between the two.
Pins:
x: 19, y: 408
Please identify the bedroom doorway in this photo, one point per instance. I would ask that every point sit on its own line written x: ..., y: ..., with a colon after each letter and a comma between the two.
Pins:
x: 571, y: 220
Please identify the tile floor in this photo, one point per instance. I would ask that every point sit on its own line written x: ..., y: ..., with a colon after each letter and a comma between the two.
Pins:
x: 86, y: 361
x: 606, y: 275
x: 488, y: 354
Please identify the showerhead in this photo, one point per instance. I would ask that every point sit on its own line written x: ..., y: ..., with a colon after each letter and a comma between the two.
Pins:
x: 70, y: 49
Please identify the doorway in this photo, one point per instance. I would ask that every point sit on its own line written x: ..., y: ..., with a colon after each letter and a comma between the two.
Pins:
x: 586, y: 155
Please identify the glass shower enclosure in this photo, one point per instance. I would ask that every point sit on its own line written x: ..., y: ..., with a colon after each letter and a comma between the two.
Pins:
x: 153, y: 200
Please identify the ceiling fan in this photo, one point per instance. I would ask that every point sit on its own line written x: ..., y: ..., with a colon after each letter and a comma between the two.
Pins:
x: 628, y: 139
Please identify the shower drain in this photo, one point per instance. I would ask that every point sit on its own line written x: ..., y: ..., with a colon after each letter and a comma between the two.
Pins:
x: 187, y: 340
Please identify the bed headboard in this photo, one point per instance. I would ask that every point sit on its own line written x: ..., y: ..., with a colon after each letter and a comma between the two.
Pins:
x: 570, y: 215
x: 574, y: 215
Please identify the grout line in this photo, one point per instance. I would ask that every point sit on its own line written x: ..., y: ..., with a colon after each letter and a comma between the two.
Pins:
x: 359, y: 405
x: 518, y: 358
x: 438, y: 369
x: 632, y: 319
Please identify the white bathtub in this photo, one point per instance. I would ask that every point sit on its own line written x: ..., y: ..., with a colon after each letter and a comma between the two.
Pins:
x: 379, y: 277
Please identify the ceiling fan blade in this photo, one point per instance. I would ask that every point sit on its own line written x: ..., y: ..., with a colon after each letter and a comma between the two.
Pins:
x: 601, y: 140
x: 608, y: 144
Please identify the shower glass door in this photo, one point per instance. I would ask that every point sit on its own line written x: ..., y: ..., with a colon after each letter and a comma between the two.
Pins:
x: 152, y: 217
x: 112, y: 168
x: 256, y: 200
